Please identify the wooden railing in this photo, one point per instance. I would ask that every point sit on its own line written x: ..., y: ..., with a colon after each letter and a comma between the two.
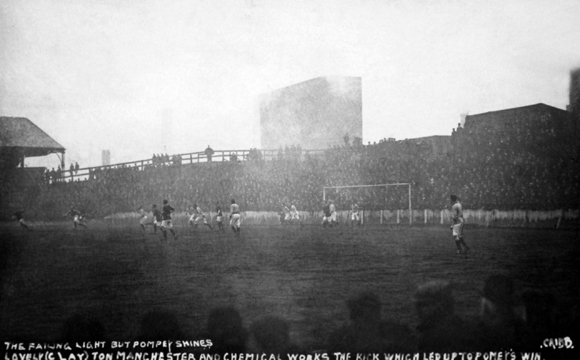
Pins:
x: 178, y: 160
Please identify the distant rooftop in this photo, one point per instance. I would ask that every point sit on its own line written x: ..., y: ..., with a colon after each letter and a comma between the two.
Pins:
x: 521, y: 108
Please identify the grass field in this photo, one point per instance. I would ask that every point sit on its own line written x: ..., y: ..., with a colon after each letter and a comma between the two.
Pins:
x: 301, y: 274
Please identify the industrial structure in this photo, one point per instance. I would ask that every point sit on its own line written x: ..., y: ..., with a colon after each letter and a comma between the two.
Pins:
x: 314, y: 114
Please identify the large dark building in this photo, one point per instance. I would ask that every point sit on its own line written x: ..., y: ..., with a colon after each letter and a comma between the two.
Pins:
x: 532, y: 122
x: 575, y: 93
x: 313, y: 114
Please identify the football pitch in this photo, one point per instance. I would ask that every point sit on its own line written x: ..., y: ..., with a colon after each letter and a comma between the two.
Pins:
x: 304, y: 275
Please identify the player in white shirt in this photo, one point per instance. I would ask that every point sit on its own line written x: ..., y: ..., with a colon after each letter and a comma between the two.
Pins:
x: 197, y: 216
x: 192, y: 215
x: 332, y: 214
x: 235, y: 217
x: 457, y: 226
x: 355, y: 216
x: 143, y: 218
x: 294, y: 214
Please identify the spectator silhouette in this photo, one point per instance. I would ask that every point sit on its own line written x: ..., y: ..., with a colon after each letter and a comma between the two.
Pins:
x: 160, y: 324
x: 209, y: 153
x: 346, y: 139
x: 272, y: 336
x: 440, y: 330
x: 499, y: 327
x: 226, y: 331
x: 82, y: 327
x: 540, y: 310
x: 367, y: 332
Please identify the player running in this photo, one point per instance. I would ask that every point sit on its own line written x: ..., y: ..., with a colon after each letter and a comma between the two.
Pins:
x: 235, y: 217
x: 457, y: 226
x: 78, y: 218
x: 166, y: 223
x: 286, y: 213
x: 191, y: 213
x: 19, y: 215
x: 220, y: 216
x: 198, y: 215
x: 157, y: 217
x: 143, y: 221
x: 355, y: 216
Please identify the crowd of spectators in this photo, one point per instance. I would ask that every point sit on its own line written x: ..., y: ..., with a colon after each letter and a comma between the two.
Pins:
x: 507, y: 320
x: 60, y: 174
x: 162, y: 160
x: 503, y: 168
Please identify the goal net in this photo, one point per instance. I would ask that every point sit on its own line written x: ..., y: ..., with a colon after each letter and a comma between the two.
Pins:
x: 382, y: 203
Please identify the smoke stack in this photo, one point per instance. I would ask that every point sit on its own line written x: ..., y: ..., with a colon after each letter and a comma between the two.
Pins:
x: 106, y: 157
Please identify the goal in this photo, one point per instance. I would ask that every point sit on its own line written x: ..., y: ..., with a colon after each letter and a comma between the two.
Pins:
x: 327, y: 189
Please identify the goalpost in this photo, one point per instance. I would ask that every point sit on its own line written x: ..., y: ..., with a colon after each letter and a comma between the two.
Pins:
x: 378, y: 185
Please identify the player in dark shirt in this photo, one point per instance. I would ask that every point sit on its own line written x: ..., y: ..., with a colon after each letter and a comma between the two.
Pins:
x: 326, y: 214
x: 166, y: 223
x: 157, y: 219
x: 220, y: 216
x: 19, y: 215
x: 285, y: 213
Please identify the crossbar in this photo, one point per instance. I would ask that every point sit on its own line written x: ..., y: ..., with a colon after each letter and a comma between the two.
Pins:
x: 359, y: 186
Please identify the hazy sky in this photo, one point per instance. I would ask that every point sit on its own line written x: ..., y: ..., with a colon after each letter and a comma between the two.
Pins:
x: 103, y: 74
